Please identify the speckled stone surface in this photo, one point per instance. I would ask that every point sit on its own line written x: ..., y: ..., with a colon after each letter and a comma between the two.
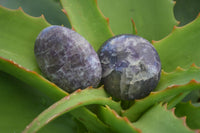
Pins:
x: 130, y: 67
x: 67, y: 59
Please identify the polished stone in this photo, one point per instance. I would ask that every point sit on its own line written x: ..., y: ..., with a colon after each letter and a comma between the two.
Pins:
x: 130, y: 67
x: 67, y: 59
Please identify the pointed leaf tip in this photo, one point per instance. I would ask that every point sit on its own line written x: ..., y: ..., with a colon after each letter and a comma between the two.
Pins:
x: 193, y: 81
x: 73, y: 28
x: 64, y: 11
x: 194, y: 66
x: 107, y: 19
x: 198, y: 15
x: 77, y: 91
x: 174, y: 28
x: 178, y: 68
x: 42, y: 16
x: 153, y: 42
x: 90, y: 87
x: 134, y: 27
x: 163, y: 72
x: 20, y: 8
x: 178, y: 22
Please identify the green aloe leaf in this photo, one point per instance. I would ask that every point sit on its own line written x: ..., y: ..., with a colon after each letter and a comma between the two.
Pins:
x: 160, y: 120
x: 113, y: 120
x: 50, y: 90
x: 68, y: 103
x: 181, y: 47
x: 178, y: 77
x: 167, y: 89
x: 51, y: 9
x: 177, y: 99
x: 154, y: 19
x: 191, y: 112
x: 193, y: 97
x: 21, y: 103
x: 92, y: 123
x: 119, y: 13
x: 18, y: 33
x: 87, y: 20
x: 186, y: 10
x: 32, y: 78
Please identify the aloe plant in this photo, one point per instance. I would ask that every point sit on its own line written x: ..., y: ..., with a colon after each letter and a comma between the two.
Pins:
x: 31, y: 103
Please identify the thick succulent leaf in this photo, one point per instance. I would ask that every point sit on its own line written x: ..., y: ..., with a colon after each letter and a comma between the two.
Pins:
x: 191, y: 112
x: 154, y: 19
x: 87, y: 20
x: 160, y: 120
x: 51, y: 9
x: 68, y: 103
x: 18, y: 33
x: 177, y: 99
x: 20, y: 103
x: 179, y: 77
x: 186, y: 10
x: 119, y: 13
x: 51, y: 91
x: 193, y: 97
x: 171, y: 89
x: 113, y: 120
x: 92, y: 123
x: 32, y: 78
x: 181, y: 47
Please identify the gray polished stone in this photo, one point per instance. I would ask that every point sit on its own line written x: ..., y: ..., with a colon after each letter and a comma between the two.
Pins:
x: 130, y: 67
x: 67, y: 59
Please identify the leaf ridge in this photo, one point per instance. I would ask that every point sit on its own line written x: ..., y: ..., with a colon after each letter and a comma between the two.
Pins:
x: 77, y: 99
x: 32, y: 78
x: 134, y: 112
x: 20, y: 9
x: 111, y: 118
x: 88, y: 18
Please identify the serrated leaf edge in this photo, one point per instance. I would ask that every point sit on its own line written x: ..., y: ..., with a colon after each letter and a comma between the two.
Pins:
x: 183, y: 119
x: 20, y: 9
x: 175, y: 28
x: 106, y: 18
x: 123, y: 119
x: 192, y: 106
x: 63, y: 100
x: 179, y: 69
x: 32, y: 72
x: 191, y: 82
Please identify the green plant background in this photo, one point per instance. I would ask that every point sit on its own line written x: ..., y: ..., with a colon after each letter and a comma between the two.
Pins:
x: 174, y: 30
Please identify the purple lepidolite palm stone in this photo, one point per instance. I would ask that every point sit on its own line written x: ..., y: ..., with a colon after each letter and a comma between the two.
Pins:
x: 130, y: 67
x: 67, y: 59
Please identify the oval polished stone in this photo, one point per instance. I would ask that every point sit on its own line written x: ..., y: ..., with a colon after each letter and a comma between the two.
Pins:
x: 67, y: 59
x: 130, y: 67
